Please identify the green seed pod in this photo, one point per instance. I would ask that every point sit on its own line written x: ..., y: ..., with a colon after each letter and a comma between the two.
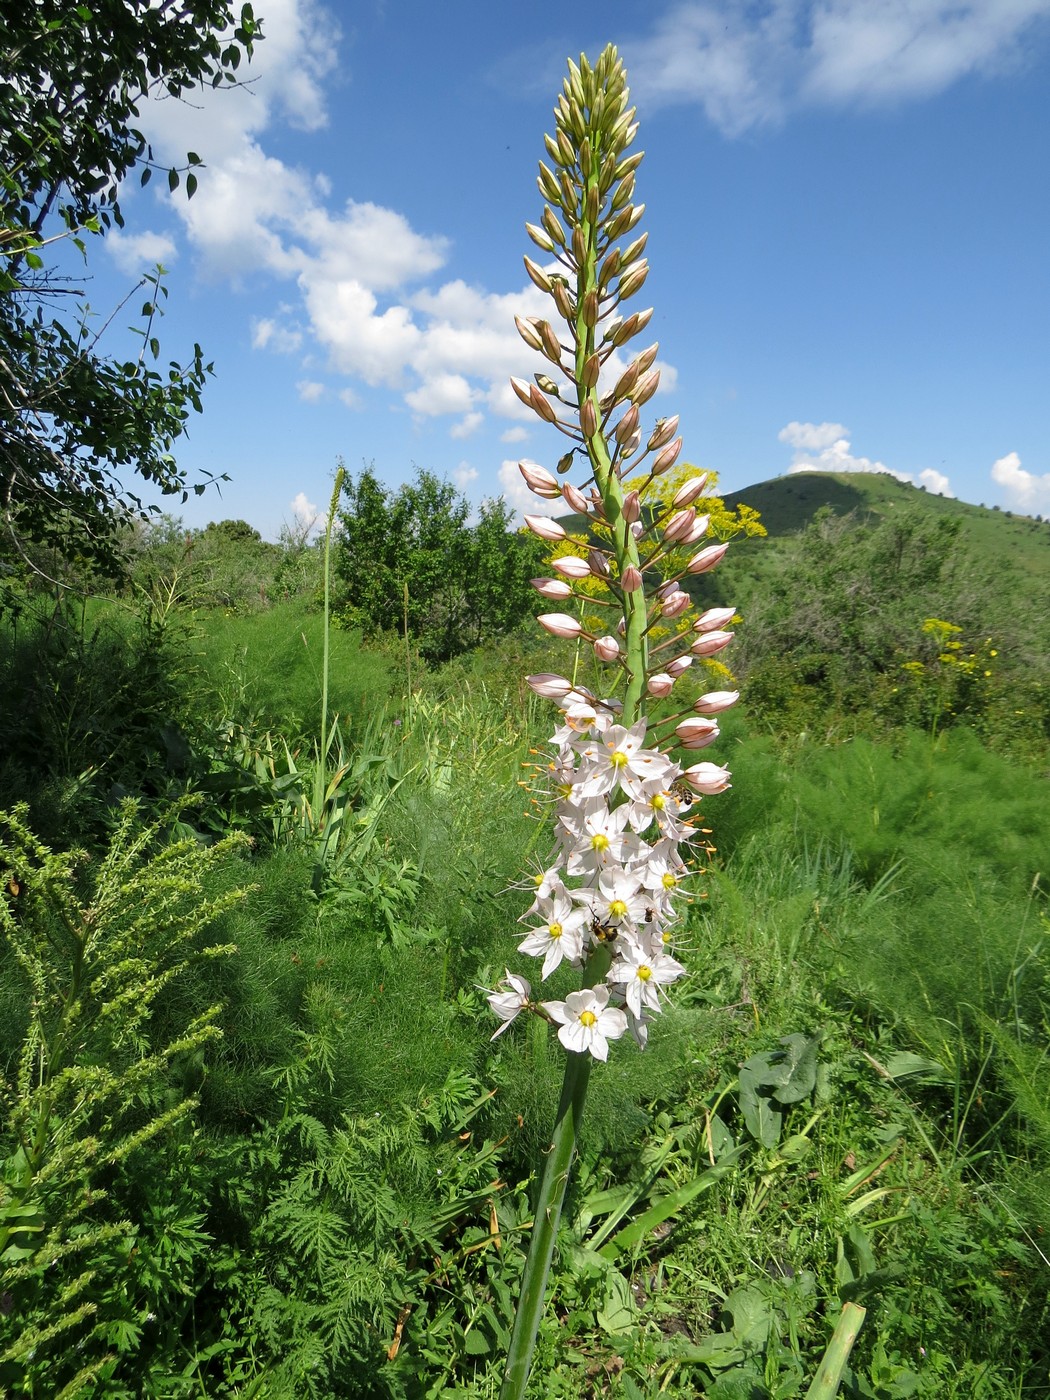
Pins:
x: 547, y: 384
x: 565, y: 463
x: 568, y: 155
x: 629, y: 165
x: 585, y: 158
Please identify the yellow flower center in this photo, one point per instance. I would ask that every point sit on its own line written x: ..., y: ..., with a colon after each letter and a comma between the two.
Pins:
x: 644, y: 973
x: 669, y: 881
x: 554, y: 930
x: 618, y: 759
x: 617, y: 909
x: 587, y: 1018
x: 600, y: 842
x: 659, y: 802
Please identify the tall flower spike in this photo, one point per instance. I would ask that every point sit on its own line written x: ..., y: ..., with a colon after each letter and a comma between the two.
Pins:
x: 621, y: 835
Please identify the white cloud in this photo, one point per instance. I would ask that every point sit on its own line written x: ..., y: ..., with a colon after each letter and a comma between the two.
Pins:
x: 747, y: 66
x: 936, y: 482
x: 826, y: 447
x: 135, y: 253
x: 464, y: 475
x: 515, y: 434
x: 269, y: 334
x: 1024, y: 490
x: 467, y: 426
x: 309, y: 390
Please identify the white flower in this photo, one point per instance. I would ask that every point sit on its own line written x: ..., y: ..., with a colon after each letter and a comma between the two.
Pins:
x: 642, y: 972
x: 507, y: 1005
x: 587, y: 1022
x: 560, y: 937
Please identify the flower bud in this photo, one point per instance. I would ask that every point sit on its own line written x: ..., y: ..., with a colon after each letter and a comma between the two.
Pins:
x: 696, y: 733
x: 599, y: 565
x: 590, y: 308
x: 632, y: 280
x: 541, y: 239
x: 556, y: 589
x: 630, y: 579
x: 553, y: 227
x: 715, y: 701
x: 529, y: 334
x: 571, y: 565
x: 660, y: 685
x: 539, y: 481
x: 560, y: 624
x: 707, y: 778
x: 574, y: 498
x: 548, y: 685
x: 548, y: 185
x: 678, y: 665
x: 562, y: 300
x: 679, y: 524
x: 647, y: 358
x: 565, y: 463
x: 663, y: 433
x: 697, y: 530
x: 710, y: 642
x: 707, y: 558
x: 550, y: 344
x: 591, y: 370
x: 537, y: 274
x: 646, y: 387
x: 634, y: 250
x: 627, y: 426
x: 667, y: 458
x: 631, y: 509
x: 607, y: 648
x: 588, y: 418
x: 626, y: 382
x: 545, y: 528
x: 690, y: 491
x: 712, y: 618
x: 675, y: 604
x: 541, y: 405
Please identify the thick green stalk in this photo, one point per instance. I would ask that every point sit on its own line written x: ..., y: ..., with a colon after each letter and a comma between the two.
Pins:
x: 545, y: 1228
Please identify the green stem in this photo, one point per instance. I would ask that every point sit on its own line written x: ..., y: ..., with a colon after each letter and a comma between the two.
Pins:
x: 322, y: 782
x: 828, y: 1379
x: 545, y: 1229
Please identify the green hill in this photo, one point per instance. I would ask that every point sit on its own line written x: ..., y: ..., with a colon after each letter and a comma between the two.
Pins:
x: 788, y: 503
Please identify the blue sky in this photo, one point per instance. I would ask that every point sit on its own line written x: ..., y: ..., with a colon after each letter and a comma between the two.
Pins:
x: 848, y: 206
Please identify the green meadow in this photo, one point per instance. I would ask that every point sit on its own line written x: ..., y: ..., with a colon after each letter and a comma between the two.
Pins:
x: 257, y: 1139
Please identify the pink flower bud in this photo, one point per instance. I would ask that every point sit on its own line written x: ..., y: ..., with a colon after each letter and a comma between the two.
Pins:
x: 607, y: 648
x: 707, y: 778
x: 574, y: 498
x: 554, y: 588
x: 675, y: 604
x: 545, y: 527
x: 560, y: 624
x: 690, y: 491
x: 715, y: 701
x: 714, y: 617
x: 710, y: 642
x: 572, y: 566
x: 598, y: 562
x: 679, y: 524
x: 539, y: 481
x: 678, y: 665
x: 707, y: 558
x: 630, y: 579
x: 659, y: 685
x: 550, y: 686
x: 631, y: 509
x: 663, y: 433
x: 667, y: 458
x: 697, y: 530
x: 696, y: 733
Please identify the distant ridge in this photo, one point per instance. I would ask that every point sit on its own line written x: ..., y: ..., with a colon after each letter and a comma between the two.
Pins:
x: 788, y: 503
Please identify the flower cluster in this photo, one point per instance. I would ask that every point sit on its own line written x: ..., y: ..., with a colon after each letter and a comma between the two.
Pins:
x: 607, y: 902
